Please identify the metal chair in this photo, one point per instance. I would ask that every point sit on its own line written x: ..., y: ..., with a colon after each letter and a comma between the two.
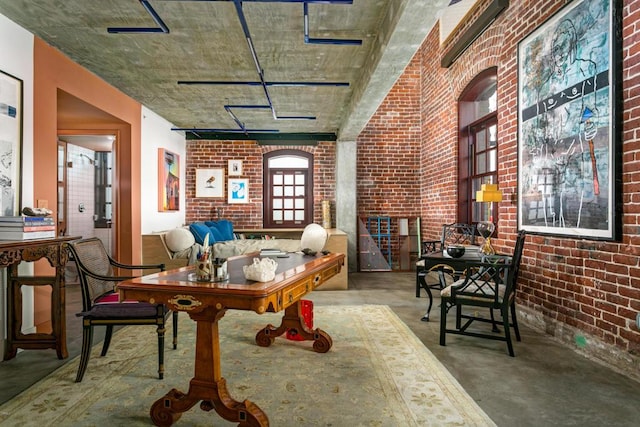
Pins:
x: 456, y: 233
x: 491, y: 284
x: 101, y: 305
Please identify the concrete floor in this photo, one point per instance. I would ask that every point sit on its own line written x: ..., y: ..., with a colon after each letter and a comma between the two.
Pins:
x: 546, y: 384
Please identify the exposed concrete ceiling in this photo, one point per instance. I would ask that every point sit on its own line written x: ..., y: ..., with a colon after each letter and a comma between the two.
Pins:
x: 206, y: 42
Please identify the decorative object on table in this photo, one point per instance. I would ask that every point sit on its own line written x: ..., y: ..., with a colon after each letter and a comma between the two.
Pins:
x: 203, y: 264
x: 309, y: 252
x: 235, y: 167
x: 455, y: 251
x: 168, y: 181
x: 313, y: 238
x: 39, y: 212
x: 11, y: 94
x: 569, y: 104
x: 209, y: 182
x: 486, y: 229
x: 238, y: 190
x: 219, y: 272
x: 261, y: 270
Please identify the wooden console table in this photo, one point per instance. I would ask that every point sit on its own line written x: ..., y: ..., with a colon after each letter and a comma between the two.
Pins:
x: 13, y: 253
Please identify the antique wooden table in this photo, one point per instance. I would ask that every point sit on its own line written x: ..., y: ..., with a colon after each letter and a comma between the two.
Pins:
x: 13, y: 253
x: 207, y: 302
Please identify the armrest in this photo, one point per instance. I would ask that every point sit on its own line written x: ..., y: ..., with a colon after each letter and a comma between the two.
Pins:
x: 137, y: 267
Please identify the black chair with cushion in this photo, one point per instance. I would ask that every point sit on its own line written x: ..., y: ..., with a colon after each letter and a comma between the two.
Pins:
x: 456, y: 233
x: 97, y: 273
x: 491, y: 284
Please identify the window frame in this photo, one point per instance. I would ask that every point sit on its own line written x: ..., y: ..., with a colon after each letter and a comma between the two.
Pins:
x: 268, y: 173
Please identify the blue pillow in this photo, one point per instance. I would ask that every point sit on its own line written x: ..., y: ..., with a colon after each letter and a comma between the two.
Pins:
x: 221, y: 230
x: 199, y: 231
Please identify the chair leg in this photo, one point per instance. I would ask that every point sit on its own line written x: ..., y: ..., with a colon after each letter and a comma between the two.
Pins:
x: 423, y: 282
x: 87, y: 338
x: 418, y: 284
x: 161, y: 331
x: 458, y: 316
x: 507, y: 331
x: 493, y: 322
x: 443, y: 322
x: 175, y: 330
x: 514, y: 320
x: 107, y: 340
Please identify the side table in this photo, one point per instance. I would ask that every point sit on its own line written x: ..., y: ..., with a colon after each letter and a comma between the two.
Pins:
x: 13, y: 253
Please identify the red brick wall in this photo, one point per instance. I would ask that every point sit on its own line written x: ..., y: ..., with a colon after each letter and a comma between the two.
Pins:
x: 591, y: 286
x: 216, y: 154
x: 388, y: 151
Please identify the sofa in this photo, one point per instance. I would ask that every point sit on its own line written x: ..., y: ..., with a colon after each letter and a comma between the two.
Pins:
x: 179, y: 247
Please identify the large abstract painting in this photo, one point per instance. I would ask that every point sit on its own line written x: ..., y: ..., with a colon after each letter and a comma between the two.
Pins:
x: 567, y: 123
x: 168, y: 181
x: 10, y: 143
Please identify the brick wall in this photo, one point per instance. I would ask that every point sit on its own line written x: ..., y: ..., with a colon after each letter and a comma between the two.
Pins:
x: 585, y: 292
x: 216, y: 154
x: 388, y: 151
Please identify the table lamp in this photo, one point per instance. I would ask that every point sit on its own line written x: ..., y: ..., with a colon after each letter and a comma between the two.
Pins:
x: 488, y: 193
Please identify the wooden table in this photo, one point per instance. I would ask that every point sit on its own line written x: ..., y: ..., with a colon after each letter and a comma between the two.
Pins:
x: 206, y: 303
x: 11, y: 254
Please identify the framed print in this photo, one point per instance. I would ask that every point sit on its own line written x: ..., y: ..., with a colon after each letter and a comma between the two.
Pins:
x: 238, y: 190
x: 209, y: 182
x: 168, y: 181
x: 569, y: 123
x: 10, y: 144
x: 235, y: 167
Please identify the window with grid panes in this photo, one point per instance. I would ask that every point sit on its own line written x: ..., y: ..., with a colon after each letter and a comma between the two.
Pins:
x: 288, y: 189
x: 478, y: 148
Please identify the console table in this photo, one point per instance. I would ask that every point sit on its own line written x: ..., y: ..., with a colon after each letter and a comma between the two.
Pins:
x: 13, y: 253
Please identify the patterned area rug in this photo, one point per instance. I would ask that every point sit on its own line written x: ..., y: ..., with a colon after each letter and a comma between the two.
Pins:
x: 376, y: 374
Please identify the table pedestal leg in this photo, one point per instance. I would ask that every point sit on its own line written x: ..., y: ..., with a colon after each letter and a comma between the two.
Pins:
x: 293, y: 319
x: 207, y: 385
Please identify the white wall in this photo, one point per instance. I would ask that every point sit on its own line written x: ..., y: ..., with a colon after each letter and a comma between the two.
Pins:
x: 16, y: 45
x: 156, y: 133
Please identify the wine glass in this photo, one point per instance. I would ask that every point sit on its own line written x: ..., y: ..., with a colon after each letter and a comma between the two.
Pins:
x: 486, y: 229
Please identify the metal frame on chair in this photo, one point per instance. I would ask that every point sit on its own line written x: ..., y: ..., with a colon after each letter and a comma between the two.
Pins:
x: 456, y: 233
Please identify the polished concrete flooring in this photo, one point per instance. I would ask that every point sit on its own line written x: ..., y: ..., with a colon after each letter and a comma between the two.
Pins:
x: 546, y: 384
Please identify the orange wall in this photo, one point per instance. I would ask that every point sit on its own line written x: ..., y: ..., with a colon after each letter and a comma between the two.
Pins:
x: 53, y: 71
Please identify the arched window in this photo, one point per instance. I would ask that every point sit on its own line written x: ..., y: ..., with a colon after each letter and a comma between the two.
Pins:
x: 478, y: 146
x: 288, y: 189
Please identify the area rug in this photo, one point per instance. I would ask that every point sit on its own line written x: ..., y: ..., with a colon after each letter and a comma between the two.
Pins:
x: 376, y: 374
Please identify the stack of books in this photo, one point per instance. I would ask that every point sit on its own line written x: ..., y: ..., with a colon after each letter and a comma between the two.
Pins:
x: 27, y: 227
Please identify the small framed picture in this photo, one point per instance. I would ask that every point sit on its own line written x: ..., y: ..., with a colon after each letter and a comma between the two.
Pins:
x: 238, y: 190
x: 235, y: 167
x: 209, y: 182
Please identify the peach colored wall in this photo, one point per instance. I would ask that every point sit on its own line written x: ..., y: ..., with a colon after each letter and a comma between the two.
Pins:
x: 53, y: 71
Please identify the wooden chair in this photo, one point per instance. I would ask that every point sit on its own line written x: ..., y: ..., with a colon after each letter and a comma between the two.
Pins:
x: 456, y: 233
x: 491, y: 284
x: 100, y: 302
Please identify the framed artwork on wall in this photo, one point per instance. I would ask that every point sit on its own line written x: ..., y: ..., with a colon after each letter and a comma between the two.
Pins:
x: 10, y: 144
x: 238, y: 190
x: 209, y: 182
x: 569, y: 122
x: 168, y: 181
x: 235, y: 167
